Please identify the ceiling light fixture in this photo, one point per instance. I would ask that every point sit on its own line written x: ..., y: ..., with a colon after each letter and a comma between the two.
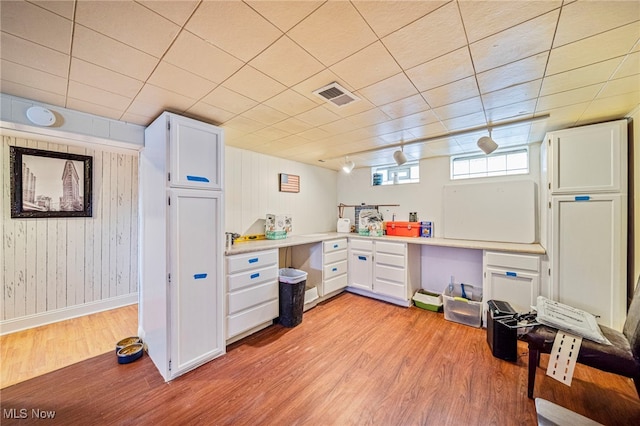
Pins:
x: 41, y: 116
x: 486, y: 144
x: 400, y: 157
x: 348, y: 165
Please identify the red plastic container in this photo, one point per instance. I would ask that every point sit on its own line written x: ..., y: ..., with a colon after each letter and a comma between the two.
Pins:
x: 403, y: 229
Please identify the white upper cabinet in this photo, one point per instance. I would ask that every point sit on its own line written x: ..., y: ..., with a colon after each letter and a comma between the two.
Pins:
x: 588, y: 159
x: 195, y: 153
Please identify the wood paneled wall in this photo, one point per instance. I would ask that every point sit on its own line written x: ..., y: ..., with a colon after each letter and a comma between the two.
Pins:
x: 56, y: 263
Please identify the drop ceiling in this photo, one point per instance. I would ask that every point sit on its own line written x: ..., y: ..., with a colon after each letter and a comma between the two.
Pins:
x: 419, y: 69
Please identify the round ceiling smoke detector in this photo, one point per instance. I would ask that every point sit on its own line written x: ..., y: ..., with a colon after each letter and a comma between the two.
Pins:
x: 41, y: 116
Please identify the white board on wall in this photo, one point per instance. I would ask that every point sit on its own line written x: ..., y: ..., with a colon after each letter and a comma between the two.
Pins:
x: 502, y: 211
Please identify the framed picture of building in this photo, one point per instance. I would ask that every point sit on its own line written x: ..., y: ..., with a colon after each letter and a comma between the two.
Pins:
x: 49, y: 183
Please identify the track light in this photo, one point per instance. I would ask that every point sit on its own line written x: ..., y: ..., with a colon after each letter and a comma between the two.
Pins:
x: 399, y: 157
x: 348, y: 165
x: 486, y: 144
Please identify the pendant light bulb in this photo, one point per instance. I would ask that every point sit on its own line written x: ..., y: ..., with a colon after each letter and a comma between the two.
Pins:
x: 486, y: 144
x: 399, y: 157
x: 348, y: 165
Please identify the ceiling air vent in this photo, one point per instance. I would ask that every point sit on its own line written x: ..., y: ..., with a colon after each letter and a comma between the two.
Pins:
x: 336, y: 94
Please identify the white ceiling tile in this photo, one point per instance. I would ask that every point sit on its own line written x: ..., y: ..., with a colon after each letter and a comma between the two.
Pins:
x: 314, y: 134
x: 569, y: 97
x: 577, y: 19
x: 413, y: 120
x: 203, y: 110
x: 270, y: 133
x: 621, y: 86
x: 23, y: 91
x: 134, y: 118
x: 519, y: 72
x: 300, y: 64
x: 457, y: 109
x: 370, y: 65
x: 38, y: 25
x: 389, y: 90
x: 244, y: 124
x: 436, y: 34
x: 332, y: 32
x: 155, y: 99
x: 452, y: 92
x: 61, y: 7
x: 180, y: 81
x: 579, y: 77
x: 445, y: 69
x: 93, y: 75
x: 406, y: 106
x: 96, y: 96
x: 284, y: 14
x: 484, y: 18
x: 175, y: 11
x: 265, y: 114
x: 338, y: 127
x: 33, y: 55
x: 594, y: 49
x: 292, y: 125
x: 318, y: 116
x: 388, y: 16
x: 513, y: 94
x: 109, y: 53
x: 229, y: 100
x: 465, y: 122
x: 562, y: 117
x: 611, y: 108
x: 33, y: 78
x: 290, y: 102
x: 513, y: 111
x: 428, y: 130
x: 91, y: 108
x: 368, y: 118
x: 129, y: 23
x: 629, y: 66
x: 192, y: 53
x: 253, y: 84
x: 234, y: 27
x: 519, y: 42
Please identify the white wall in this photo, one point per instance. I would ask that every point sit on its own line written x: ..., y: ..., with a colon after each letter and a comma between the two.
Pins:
x: 635, y: 168
x: 252, y: 191
x: 424, y: 197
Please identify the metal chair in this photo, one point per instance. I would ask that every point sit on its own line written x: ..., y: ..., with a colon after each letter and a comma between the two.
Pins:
x: 622, y: 357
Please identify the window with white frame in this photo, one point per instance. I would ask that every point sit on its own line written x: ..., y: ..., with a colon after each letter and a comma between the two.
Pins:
x: 514, y: 162
x: 392, y: 174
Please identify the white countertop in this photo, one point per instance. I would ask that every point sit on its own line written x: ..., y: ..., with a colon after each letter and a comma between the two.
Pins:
x: 294, y: 240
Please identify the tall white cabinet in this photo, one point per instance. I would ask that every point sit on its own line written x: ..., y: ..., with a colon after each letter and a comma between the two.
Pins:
x: 584, y: 226
x: 181, y: 318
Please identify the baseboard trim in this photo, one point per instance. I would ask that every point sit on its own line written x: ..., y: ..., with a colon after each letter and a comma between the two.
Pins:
x: 44, y: 318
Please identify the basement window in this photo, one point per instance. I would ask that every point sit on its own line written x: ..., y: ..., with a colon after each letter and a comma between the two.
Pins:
x: 514, y: 162
x: 392, y: 174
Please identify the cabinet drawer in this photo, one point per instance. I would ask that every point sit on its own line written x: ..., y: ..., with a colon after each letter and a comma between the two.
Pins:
x: 243, y: 262
x: 390, y: 259
x: 335, y: 283
x: 392, y: 248
x: 390, y: 273
x: 252, y: 296
x: 334, y: 245
x: 513, y: 261
x: 335, y: 269
x: 391, y: 289
x: 335, y: 256
x: 250, y: 318
x: 358, y: 244
x: 252, y: 278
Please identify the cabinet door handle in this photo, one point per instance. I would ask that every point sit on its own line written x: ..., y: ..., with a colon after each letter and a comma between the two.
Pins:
x: 362, y: 257
x: 335, y: 246
x: 199, y: 276
x: 334, y: 269
x: 582, y: 198
x: 197, y: 178
x: 256, y: 275
x: 511, y: 274
x: 253, y: 260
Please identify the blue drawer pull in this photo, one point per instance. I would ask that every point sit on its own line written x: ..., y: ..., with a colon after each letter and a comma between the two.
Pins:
x: 335, y: 246
x: 512, y: 274
x: 334, y: 269
x: 197, y: 178
x: 582, y: 198
x: 256, y: 275
x: 199, y: 276
x: 362, y: 257
x: 253, y: 260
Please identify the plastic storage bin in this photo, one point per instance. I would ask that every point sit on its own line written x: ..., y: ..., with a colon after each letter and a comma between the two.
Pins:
x: 467, y: 311
x: 424, y: 299
x: 292, y: 284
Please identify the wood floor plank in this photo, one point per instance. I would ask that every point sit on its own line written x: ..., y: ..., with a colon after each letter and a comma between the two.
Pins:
x: 352, y: 361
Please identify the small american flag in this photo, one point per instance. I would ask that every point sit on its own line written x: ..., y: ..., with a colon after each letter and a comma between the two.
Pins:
x: 289, y: 183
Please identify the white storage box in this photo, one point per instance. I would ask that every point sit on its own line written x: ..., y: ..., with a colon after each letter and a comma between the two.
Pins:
x: 462, y: 310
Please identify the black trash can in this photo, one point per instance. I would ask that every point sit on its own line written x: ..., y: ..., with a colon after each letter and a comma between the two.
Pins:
x: 292, y: 286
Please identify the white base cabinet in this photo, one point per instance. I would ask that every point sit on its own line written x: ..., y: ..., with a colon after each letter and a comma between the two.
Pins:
x: 334, y: 266
x: 513, y: 278
x: 384, y: 270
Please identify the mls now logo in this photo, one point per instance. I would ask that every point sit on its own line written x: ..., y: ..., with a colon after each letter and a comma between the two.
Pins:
x: 23, y: 413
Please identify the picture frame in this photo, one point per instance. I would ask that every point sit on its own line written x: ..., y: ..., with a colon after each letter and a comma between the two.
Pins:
x: 49, y: 184
x: 288, y: 183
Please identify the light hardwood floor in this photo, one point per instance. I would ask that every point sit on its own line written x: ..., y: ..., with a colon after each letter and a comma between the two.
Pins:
x: 352, y: 361
x: 31, y: 353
